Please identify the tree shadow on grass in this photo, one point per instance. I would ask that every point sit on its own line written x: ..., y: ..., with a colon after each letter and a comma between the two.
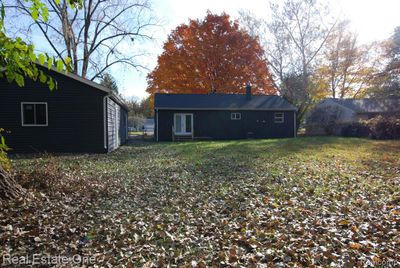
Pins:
x: 273, y: 148
x: 218, y: 157
x: 235, y: 158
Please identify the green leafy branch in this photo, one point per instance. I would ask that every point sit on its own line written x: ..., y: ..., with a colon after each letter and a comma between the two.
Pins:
x: 4, y: 163
x: 18, y: 59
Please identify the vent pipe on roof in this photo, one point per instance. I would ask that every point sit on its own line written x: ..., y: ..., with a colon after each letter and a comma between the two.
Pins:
x: 248, y: 91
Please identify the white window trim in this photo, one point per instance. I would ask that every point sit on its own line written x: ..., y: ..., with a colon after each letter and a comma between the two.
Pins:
x: 34, y: 125
x: 236, y: 116
x: 184, y: 115
x: 279, y: 118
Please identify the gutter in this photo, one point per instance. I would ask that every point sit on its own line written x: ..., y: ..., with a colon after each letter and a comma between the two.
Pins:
x: 118, y: 100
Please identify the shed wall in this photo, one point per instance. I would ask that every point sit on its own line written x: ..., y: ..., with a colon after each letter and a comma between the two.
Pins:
x: 116, y: 125
x: 75, y: 117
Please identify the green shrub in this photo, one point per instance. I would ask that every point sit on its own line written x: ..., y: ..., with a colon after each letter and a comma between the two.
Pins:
x: 355, y: 129
x: 384, y: 127
x: 4, y: 162
x: 380, y: 128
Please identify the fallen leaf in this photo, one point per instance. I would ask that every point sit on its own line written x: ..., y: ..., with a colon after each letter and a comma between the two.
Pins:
x: 354, y: 245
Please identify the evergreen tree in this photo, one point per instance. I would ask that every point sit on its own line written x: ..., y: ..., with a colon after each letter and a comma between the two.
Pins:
x: 109, y: 82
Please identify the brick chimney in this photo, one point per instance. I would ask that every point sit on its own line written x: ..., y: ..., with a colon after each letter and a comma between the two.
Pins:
x: 248, y: 91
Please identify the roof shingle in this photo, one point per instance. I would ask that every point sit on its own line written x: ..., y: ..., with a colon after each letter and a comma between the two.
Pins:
x: 221, y: 102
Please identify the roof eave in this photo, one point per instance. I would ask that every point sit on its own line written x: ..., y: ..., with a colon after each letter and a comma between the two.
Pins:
x: 78, y: 78
x: 119, y: 100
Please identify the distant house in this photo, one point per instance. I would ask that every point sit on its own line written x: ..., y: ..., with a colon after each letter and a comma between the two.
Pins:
x: 222, y: 116
x: 148, y: 126
x: 330, y: 112
x: 78, y: 116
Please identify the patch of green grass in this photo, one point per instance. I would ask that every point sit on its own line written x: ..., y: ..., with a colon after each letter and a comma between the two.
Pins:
x: 135, y: 133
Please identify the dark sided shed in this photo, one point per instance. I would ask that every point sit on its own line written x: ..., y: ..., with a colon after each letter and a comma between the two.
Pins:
x: 79, y: 116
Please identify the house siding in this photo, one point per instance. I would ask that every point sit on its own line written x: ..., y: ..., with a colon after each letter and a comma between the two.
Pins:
x: 217, y: 124
x: 116, y: 125
x: 75, y: 117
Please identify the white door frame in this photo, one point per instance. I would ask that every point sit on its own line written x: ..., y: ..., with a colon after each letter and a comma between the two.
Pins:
x: 183, y: 123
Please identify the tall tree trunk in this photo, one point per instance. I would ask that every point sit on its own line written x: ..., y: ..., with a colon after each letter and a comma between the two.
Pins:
x: 9, y: 188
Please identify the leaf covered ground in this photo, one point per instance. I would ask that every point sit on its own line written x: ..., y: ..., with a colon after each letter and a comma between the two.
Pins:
x: 292, y: 202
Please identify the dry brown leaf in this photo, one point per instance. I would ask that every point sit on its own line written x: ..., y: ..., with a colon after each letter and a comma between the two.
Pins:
x: 354, y: 245
x: 355, y: 229
x: 344, y: 223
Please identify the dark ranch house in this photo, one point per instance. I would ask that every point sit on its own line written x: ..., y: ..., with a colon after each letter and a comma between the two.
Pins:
x: 222, y: 116
x: 78, y: 116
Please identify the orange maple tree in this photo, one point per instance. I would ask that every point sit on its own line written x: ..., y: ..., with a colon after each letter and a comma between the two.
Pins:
x: 211, y: 56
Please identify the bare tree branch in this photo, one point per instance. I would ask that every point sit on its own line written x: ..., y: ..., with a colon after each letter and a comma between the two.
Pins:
x: 100, y: 30
x: 296, y: 34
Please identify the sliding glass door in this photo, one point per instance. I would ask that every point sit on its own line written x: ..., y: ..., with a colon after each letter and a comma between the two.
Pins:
x: 183, y: 124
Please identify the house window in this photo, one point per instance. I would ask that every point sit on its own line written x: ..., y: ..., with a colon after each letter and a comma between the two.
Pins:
x: 279, y: 117
x: 34, y: 114
x: 236, y: 116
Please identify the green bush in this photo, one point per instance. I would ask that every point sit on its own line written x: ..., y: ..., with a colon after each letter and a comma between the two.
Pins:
x: 4, y: 162
x: 355, y: 129
x: 382, y: 128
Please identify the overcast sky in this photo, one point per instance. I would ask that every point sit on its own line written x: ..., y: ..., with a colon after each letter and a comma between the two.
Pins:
x: 372, y: 19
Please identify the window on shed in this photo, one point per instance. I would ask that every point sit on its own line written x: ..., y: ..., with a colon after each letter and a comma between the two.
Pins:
x: 236, y: 116
x: 279, y: 117
x: 41, y: 114
x: 34, y: 114
x: 28, y: 114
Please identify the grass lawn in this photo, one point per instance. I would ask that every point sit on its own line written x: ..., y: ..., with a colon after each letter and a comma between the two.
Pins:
x: 135, y: 133
x: 293, y: 202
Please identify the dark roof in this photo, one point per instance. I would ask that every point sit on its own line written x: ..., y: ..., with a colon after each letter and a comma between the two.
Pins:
x: 76, y: 77
x: 118, y: 99
x: 371, y: 105
x: 221, y: 102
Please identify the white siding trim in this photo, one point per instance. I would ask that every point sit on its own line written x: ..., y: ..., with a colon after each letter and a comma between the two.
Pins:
x: 113, y: 124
